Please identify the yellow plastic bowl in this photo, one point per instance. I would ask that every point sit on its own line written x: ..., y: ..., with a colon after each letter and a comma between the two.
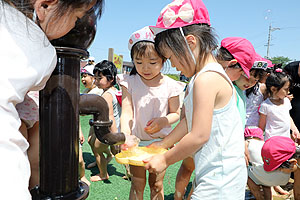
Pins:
x: 137, y: 155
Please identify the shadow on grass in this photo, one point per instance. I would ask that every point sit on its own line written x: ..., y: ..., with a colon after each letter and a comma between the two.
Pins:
x: 89, y: 158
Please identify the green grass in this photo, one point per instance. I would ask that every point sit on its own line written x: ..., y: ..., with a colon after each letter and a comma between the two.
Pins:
x: 116, y: 187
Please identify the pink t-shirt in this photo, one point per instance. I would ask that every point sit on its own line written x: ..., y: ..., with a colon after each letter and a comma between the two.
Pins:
x: 150, y: 102
x: 29, y: 108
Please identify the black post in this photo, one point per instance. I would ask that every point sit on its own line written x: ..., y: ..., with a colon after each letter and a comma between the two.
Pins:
x: 59, y: 125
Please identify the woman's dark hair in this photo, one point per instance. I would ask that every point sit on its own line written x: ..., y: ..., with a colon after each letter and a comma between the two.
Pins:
x: 173, y: 39
x: 224, y: 55
x: 26, y: 6
x: 259, y: 73
x: 141, y: 49
x: 277, y: 79
x: 107, y: 69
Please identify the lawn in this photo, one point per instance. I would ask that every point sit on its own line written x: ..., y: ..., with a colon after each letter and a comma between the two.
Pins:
x: 116, y: 187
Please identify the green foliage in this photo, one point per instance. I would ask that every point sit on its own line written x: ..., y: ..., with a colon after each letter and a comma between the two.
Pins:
x: 173, y: 76
x: 280, y: 59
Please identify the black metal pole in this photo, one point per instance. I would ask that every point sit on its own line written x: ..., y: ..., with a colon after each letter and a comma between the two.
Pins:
x: 59, y: 125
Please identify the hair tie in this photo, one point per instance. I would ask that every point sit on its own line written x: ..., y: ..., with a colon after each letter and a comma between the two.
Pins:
x: 278, y: 70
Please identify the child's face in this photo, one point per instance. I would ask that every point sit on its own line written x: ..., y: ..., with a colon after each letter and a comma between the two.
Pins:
x: 148, y: 66
x: 187, y: 70
x: 57, y: 26
x: 101, y: 81
x: 283, y: 92
x: 87, y: 80
x: 244, y: 83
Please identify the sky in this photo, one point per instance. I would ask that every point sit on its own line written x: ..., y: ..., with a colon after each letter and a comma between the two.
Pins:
x: 249, y: 19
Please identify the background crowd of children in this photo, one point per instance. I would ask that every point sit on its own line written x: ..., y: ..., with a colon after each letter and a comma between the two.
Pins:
x: 232, y: 90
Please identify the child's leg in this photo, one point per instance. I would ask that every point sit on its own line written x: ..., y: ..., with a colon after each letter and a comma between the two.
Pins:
x: 99, y: 149
x: 156, y: 185
x: 82, y: 168
x: 183, y: 177
x: 297, y: 182
x: 255, y: 189
x: 33, y: 155
x: 138, y: 182
x: 267, y: 192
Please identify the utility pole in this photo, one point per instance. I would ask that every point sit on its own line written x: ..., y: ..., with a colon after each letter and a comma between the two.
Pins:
x: 269, y: 38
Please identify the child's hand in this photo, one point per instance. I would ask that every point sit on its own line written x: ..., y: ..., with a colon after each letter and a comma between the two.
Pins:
x: 81, y: 138
x: 156, y: 164
x: 154, y: 125
x: 131, y: 141
x: 296, y: 136
x: 247, y: 156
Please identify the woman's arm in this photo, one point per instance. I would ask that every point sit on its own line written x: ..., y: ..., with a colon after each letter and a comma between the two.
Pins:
x: 127, y: 112
x: 109, y: 99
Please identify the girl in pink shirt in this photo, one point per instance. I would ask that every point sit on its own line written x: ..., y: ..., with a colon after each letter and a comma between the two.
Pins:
x: 150, y: 104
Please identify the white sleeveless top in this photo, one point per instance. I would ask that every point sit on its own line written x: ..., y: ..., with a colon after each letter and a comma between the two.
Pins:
x: 220, y: 169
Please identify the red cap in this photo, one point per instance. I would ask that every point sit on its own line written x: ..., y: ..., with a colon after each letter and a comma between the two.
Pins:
x: 181, y: 13
x: 276, y: 150
x: 242, y: 50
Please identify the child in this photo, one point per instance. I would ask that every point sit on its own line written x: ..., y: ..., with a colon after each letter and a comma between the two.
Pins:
x: 208, y: 130
x: 150, y: 104
x: 105, y: 78
x: 280, y: 155
x: 275, y: 118
x: 88, y: 80
x: 236, y: 57
x: 28, y: 25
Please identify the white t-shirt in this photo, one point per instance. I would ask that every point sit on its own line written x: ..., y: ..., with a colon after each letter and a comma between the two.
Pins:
x: 278, y: 121
x: 253, y: 102
x: 27, y: 61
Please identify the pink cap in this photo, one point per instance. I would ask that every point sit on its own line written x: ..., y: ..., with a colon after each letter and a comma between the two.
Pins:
x: 143, y: 34
x: 254, y: 132
x: 242, y: 50
x: 276, y: 150
x: 259, y: 63
x: 181, y: 13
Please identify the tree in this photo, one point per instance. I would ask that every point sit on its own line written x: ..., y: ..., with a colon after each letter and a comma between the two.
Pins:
x: 280, y: 59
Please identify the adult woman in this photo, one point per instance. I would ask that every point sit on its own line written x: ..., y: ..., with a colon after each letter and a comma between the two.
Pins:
x: 26, y: 26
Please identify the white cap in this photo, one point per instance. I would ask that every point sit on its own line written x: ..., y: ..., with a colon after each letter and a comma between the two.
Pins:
x: 88, y: 69
x: 143, y: 34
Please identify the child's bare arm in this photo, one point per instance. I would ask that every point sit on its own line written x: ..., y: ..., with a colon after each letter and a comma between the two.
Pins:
x: 262, y: 121
x: 156, y: 124
x: 295, y: 131
x: 127, y: 112
x: 108, y: 97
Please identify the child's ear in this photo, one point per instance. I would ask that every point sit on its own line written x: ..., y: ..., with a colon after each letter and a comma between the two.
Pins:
x: 273, y: 89
x: 293, y: 163
x: 232, y: 62
x: 192, y: 41
x: 42, y: 8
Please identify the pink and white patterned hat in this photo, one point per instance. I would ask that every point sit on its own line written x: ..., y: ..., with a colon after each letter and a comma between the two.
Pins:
x: 143, y: 34
x: 181, y: 13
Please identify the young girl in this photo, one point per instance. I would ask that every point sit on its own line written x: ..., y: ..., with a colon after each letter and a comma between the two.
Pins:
x: 275, y: 118
x: 28, y: 25
x: 236, y: 57
x: 150, y: 104
x: 208, y: 130
x: 105, y: 78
